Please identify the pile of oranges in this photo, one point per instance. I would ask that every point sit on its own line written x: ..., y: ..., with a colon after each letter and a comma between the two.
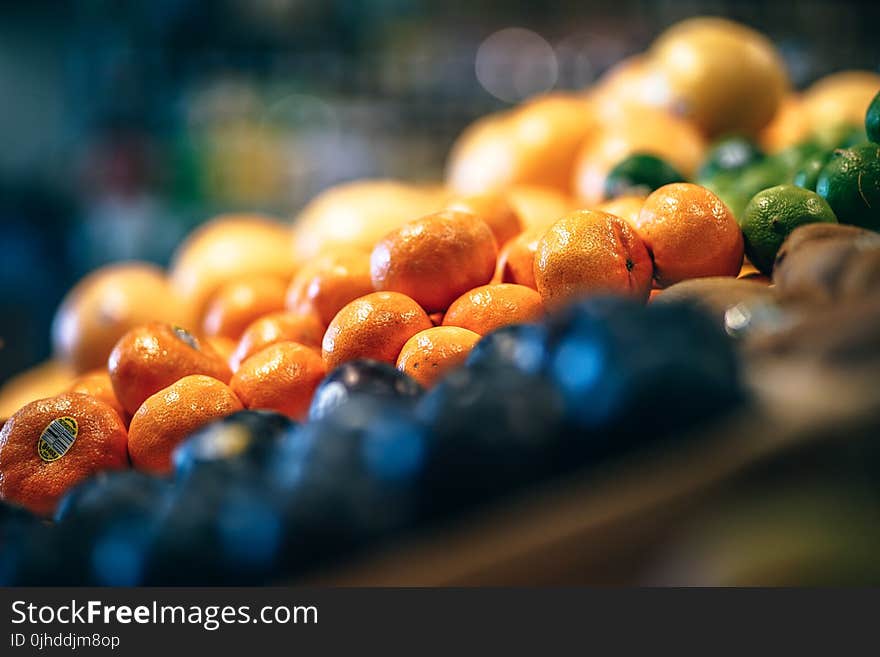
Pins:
x: 252, y: 316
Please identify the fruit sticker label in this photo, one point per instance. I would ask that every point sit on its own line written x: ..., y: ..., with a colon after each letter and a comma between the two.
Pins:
x: 57, y: 438
x: 186, y: 337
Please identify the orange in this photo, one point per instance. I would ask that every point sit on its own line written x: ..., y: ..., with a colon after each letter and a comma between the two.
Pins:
x: 430, y: 354
x: 238, y: 303
x: 98, y: 385
x: 166, y: 418
x: 358, y: 214
x: 52, y: 444
x: 495, y: 210
x: 533, y: 144
x: 634, y: 81
x: 44, y: 380
x: 152, y: 357
x: 283, y: 326
x: 690, y: 234
x: 282, y: 377
x: 628, y: 130
x: 517, y: 259
x: 625, y: 207
x: 226, y: 249
x: 539, y: 206
x: 790, y: 125
x: 588, y: 252
x: 107, y: 303
x: 486, y: 308
x: 435, y: 259
x: 224, y: 346
x: 329, y: 281
x: 375, y: 326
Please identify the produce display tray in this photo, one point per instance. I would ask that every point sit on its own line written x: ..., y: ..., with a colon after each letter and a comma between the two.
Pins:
x: 607, y: 526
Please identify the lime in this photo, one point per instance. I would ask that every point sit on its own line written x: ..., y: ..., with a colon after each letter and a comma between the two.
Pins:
x: 795, y: 157
x: 850, y: 182
x: 808, y: 173
x: 772, y: 214
x: 640, y: 172
x: 730, y: 154
x: 872, y: 120
x: 761, y: 175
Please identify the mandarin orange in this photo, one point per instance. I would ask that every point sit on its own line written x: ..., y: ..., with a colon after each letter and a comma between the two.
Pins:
x: 52, y: 444
x: 281, y: 326
x: 374, y: 326
x: 327, y: 282
x: 282, y: 377
x: 486, y: 308
x: 152, y: 357
x: 589, y: 252
x: 431, y: 354
x: 690, y: 233
x: 166, y: 418
x: 238, y: 303
x: 435, y: 259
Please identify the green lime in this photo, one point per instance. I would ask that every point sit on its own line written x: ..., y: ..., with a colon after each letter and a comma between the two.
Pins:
x: 761, y: 175
x: 872, y: 120
x: 772, y: 214
x: 729, y: 154
x: 850, y: 182
x: 808, y: 173
x: 640, y: 173
x: 794, y: 157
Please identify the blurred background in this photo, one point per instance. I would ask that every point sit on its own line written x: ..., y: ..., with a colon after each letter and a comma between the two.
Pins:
x: 123, y: 125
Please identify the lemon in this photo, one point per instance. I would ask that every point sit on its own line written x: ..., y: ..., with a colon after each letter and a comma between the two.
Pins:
x: 725, y: 76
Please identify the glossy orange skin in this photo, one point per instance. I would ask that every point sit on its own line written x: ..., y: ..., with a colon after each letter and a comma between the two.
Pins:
x: 282, y: 377
x: 275, y: 327
x: 224, y: 346
x: 98, y: 384
x: 435, y: 259
x: 495, y: 210
x: 486, y: 308
x: 374, y: 326
x: 152, y: 357
x: 589, y: 252
x: 625, y: 207
x: 166, y: 418
x: 107, y: 303
x: 690, y: 234
x: 100, y: 444
x: 516, y: 262
x: 328, y: 282
x: 430, y: 354
x: 238, y: 303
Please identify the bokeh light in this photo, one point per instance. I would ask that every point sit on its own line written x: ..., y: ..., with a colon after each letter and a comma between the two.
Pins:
x: 514, y: 63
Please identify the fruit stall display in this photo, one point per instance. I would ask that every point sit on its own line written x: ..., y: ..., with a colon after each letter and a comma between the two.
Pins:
x: 631, y: 338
